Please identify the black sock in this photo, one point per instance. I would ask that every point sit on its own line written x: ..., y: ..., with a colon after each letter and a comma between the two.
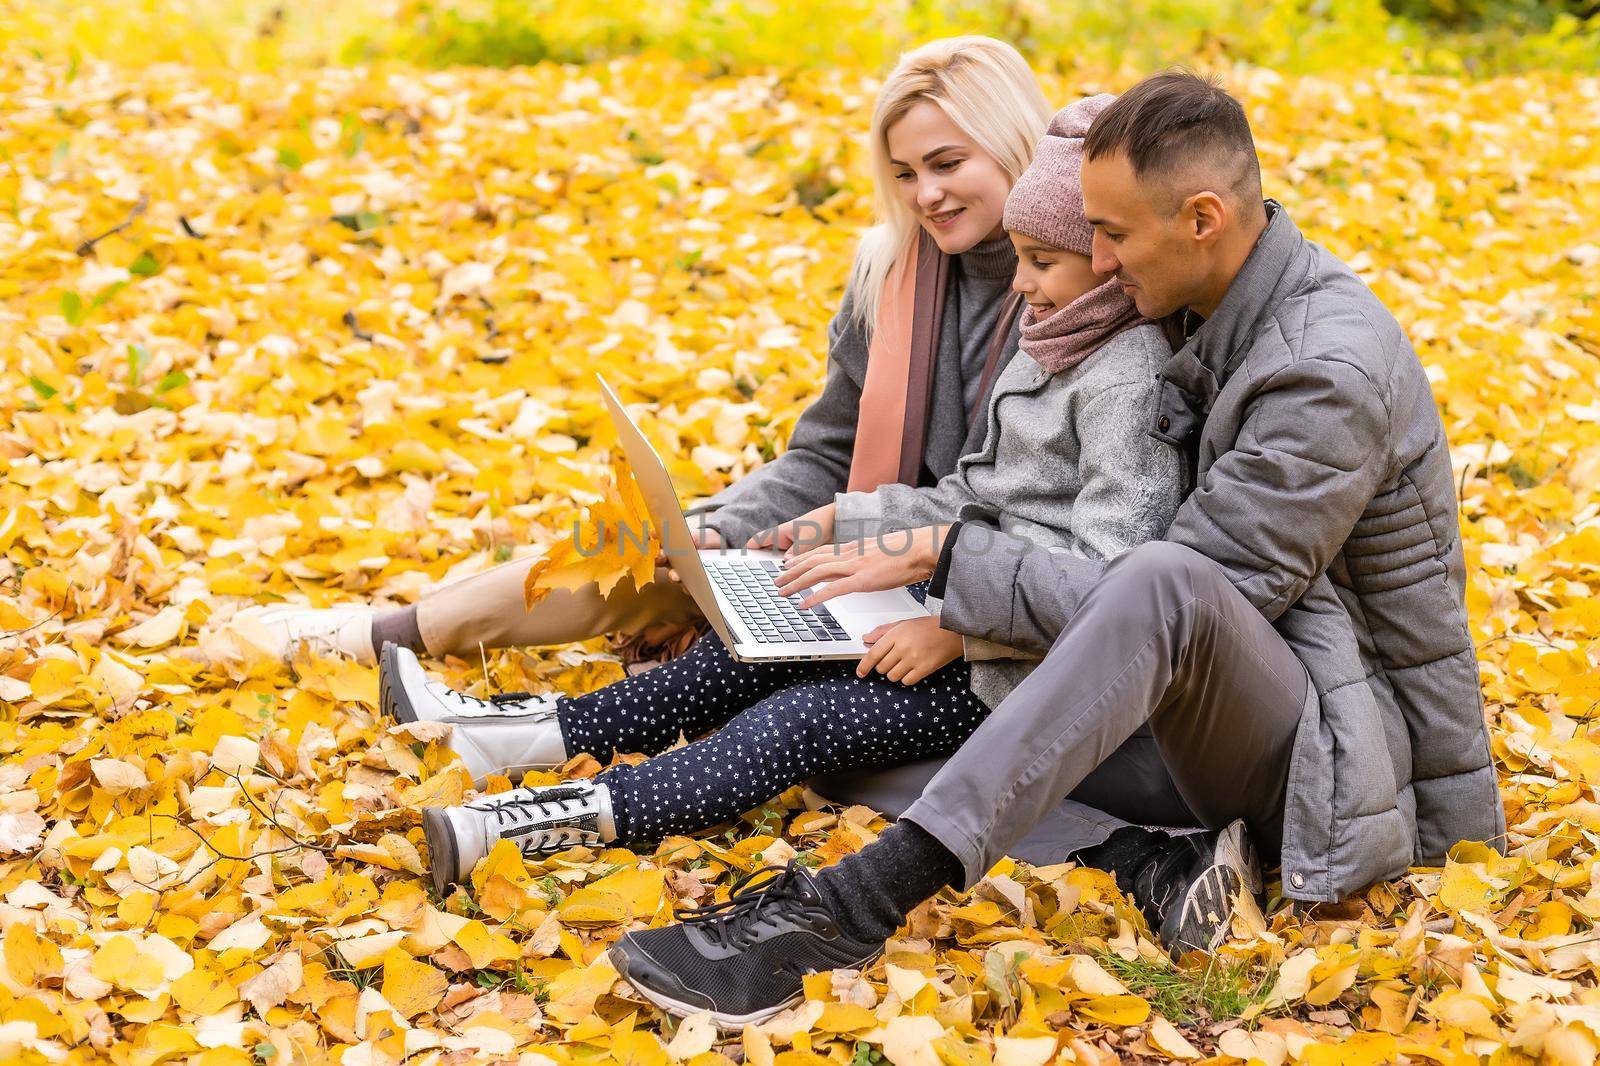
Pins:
x: 397, y: 626
x: 1122, y: 853
x: 871, y: 892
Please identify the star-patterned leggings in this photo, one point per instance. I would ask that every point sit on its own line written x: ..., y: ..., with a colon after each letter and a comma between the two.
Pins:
x: 776, y: 724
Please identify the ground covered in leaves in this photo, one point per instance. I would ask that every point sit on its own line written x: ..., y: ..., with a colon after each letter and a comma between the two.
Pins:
x: 327, y: 335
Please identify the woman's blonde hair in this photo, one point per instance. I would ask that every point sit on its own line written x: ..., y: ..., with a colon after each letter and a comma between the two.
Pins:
x: 989, y: 91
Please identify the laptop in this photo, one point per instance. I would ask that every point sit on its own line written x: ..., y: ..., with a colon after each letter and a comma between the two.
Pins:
x: 734, y: 587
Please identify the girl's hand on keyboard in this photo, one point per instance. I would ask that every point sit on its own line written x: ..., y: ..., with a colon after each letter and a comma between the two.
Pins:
x: 910, y: 650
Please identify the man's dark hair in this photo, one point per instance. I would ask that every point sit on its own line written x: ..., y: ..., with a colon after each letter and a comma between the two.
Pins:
x: 1169, y: 121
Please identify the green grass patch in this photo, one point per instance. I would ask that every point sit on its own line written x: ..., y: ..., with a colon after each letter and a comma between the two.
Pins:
x: 1215, y: 992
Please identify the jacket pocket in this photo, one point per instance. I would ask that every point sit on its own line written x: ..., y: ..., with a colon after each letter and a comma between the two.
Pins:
x: 1178, y: 414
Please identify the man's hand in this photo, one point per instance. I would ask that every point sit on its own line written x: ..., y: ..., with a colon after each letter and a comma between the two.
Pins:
x: 909, y: 651
x: 810, y: 530
x: 704, y: 538
x: 885, y: 561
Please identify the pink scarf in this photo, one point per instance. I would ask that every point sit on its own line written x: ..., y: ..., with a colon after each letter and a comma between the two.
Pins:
x: 1072, y: 333
x: 880, y: 420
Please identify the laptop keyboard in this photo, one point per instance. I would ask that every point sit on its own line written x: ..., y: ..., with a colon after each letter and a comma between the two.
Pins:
x: 770, y: 617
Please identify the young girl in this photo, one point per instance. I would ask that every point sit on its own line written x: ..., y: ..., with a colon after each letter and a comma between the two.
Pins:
x: 1066, y: 462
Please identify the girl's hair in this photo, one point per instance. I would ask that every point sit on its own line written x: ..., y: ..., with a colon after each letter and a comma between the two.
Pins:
x: 988, y: 90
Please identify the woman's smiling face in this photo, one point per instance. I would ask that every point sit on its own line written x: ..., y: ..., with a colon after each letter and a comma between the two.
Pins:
x: 955, y: 189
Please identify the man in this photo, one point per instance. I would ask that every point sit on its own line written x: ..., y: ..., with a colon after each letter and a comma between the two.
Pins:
x: 1297, y: 645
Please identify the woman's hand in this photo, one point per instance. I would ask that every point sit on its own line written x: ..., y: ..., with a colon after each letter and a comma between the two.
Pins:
x: 870, y: 564
x: 703, y: 538
x: 810, y: 530
x: 909, y: 651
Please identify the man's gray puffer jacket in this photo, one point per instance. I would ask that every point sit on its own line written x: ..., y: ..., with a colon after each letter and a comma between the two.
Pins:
x: 1323, y: 490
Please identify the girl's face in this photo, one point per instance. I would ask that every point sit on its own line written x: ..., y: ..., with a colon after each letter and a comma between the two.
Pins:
x: 954, y: 188
x: 1050, y: 278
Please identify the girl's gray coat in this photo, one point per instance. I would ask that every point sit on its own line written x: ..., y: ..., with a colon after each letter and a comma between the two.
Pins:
x: 1067, y: 462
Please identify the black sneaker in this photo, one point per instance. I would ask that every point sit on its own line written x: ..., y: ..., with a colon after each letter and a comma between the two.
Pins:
x: 741, y: 960
x: 1188, y: 888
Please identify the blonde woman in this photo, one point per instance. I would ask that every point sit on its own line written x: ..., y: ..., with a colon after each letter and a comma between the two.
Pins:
x: 890, y: 409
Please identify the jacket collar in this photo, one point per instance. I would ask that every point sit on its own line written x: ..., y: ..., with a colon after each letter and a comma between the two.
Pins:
x: 1212, y: 352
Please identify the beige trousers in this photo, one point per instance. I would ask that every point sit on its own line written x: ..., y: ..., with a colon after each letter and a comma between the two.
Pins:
x: 488, y: 608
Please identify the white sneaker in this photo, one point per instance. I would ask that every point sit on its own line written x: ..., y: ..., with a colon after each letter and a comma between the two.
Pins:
x: 507, y: 734
x: 326, y: 631
x: 541, y: 821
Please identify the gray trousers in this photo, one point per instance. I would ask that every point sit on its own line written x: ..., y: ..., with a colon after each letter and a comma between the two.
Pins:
x: 1163, y: 640
x: 1132, y: 787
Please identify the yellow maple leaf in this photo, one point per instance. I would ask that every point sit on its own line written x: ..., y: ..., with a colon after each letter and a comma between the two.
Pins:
x: 617, y: 539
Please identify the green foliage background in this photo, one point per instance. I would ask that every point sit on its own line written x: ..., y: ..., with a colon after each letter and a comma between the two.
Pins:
x: 1458, y: 37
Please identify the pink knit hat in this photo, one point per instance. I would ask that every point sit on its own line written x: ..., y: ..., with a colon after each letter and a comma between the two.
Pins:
x: 1046, y: 203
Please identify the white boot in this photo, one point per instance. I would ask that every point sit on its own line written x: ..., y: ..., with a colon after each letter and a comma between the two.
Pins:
x: 326, y: 631
x: 540, y: 821
x: 507, y: 734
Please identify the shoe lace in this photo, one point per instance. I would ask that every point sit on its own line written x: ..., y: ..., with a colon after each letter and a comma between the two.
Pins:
x: 496, y: 701
x: 466, y: 700
x: 319, y: 644
x: 1160, y: 879
x: 730, y: 922
x: 530, y: 809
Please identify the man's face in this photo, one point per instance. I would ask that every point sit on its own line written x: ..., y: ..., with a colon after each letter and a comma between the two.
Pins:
x: 1138, y: 239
